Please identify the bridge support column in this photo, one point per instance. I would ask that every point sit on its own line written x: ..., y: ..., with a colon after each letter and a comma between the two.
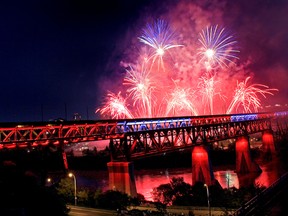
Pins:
x: 268, y: 144
x: 244, y: 163
x: 61, y: 151
x: 201, y: 166
x: 65, y: 162
x: 121, y: 177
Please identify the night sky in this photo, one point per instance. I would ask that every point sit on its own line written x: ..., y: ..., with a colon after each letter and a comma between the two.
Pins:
x: 56, y: 55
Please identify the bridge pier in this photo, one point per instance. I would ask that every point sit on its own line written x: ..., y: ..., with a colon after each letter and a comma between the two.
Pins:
x: 244, y: 162
x: 268, y: 144
x: 62, y: 152
x: 201, y: 166
x: 121, y: 177
x: 65, y: 162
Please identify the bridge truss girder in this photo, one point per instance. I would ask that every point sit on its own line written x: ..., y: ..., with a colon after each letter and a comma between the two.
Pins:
x: 131, y: 138
x: 32, y: 136
x: 160, y: 141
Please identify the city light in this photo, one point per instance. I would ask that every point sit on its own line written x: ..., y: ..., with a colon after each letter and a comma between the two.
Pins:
x: 208, y: 199
x: 75, y: 187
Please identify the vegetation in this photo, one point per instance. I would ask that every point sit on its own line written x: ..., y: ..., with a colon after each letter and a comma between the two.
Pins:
x: 96, y: 198
x: 23, y: 194
x: 177, y: 192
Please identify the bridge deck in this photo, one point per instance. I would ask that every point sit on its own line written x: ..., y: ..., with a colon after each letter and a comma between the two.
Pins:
x: 131, y: 137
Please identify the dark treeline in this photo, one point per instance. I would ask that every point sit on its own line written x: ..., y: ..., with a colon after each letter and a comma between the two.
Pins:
x: 23, y: 194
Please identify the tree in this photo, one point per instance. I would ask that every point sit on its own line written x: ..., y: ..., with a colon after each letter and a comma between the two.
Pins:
x: 182, y: 192
x: 113, y: 200
x: 22, y: 194
x: 163, y: 193
x: 136, y: 201
x: 65, y: 189
x: 176, y: 192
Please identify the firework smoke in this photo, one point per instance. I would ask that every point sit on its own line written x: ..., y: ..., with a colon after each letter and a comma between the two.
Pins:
x: 190, y: 79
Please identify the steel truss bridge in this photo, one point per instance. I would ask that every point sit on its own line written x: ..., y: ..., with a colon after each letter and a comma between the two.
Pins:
x: 132, y: 138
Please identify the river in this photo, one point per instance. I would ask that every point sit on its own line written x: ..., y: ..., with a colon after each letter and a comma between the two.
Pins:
x: 147, y: 179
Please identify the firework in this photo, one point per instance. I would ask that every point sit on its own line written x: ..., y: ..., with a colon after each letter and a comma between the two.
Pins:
x: 247, y: 96
x: 160, y: 37
x: 216, y: 47
x: 207, y: 88
x: 180, y: 99
x: 153, y: 94
x: 141, y: 88
x: 115, y: 107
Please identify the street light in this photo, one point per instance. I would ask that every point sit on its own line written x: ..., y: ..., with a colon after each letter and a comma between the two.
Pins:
x: 49, y: 181
x: 75, y: 188
x: 208, y: 199
x: 228, y: 180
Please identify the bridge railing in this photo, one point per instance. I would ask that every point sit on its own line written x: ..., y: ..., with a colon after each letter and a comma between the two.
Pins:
x: 252, y: 206
x: 134, y: 125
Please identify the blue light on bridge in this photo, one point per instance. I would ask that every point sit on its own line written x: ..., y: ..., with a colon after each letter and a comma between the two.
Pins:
x: 284, y: 113
x: 153, y: 124
x: 244, y: 117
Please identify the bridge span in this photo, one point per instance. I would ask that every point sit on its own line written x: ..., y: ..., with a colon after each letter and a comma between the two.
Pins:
x: 131, y: 139
x: 202, y: 128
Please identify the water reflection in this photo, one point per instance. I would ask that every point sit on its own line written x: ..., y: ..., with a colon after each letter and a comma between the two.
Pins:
x: 146, y: 180
x: 227, y: 178
x: 271, y: 171
x: 153, y: 178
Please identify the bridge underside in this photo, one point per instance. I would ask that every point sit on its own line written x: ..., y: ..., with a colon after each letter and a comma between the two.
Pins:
x: 143, y: 143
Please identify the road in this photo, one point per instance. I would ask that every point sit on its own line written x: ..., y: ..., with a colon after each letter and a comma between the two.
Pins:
x: 80, y: 211
x: 200, y: 211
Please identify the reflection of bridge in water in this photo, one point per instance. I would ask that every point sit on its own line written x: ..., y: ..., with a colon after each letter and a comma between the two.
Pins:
x: 131, y: 139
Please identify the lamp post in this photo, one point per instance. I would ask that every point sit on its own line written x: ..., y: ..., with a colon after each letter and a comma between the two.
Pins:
x: 49, y: 181
x: 208, y: 199
x: 228, y: 180
x: 75, y: 187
